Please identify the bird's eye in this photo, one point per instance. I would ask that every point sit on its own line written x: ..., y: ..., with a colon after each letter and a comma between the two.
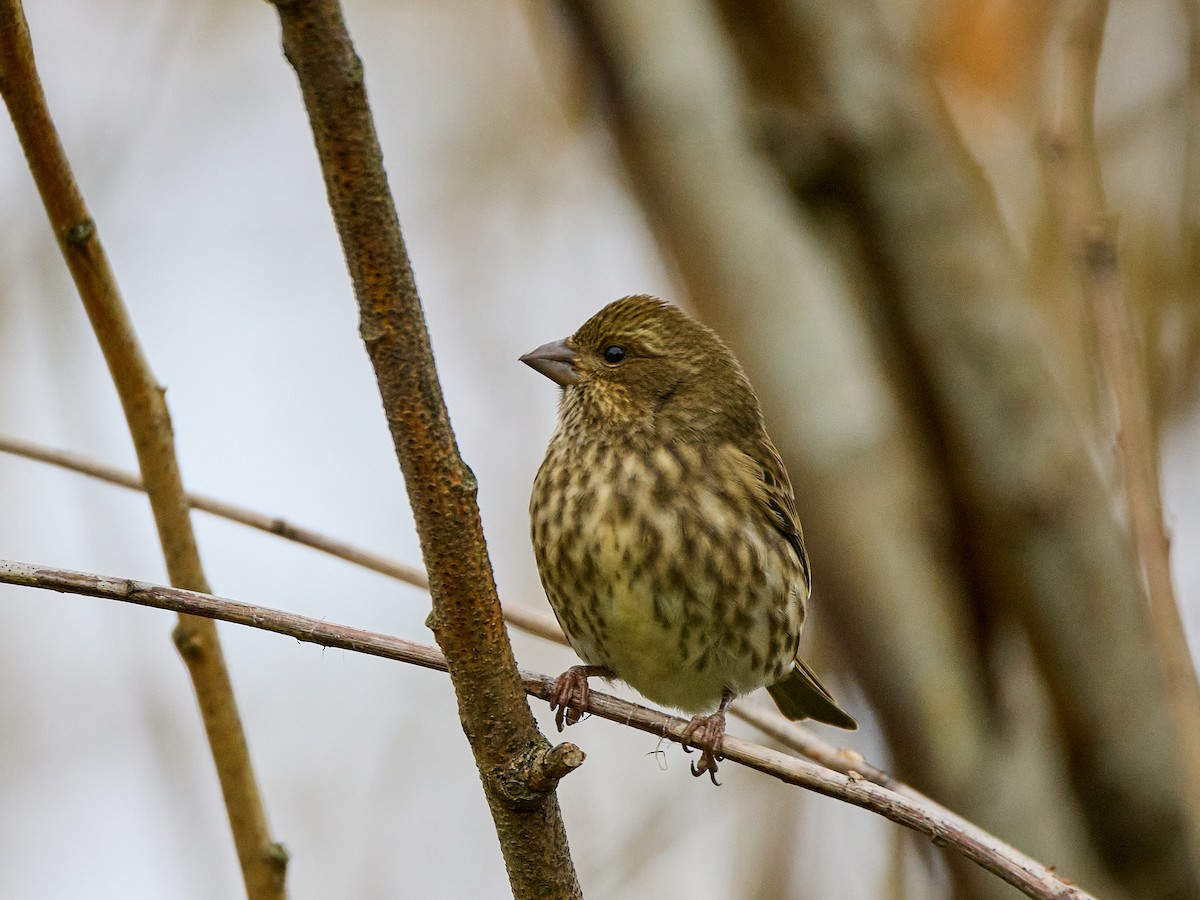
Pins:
x: 614, y: 354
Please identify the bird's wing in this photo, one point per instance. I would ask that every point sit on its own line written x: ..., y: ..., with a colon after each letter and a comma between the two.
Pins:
x: 778, y: 502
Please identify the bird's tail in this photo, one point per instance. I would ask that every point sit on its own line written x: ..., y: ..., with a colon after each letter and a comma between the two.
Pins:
x: 800, y: 695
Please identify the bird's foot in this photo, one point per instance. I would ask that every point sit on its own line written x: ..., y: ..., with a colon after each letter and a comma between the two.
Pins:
x: 706, y: 734
x: 572, y: 685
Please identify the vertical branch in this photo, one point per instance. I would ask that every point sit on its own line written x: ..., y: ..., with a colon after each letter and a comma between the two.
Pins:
x: 466, y: 615
x: 263, y: 862
x: 1089, y: 233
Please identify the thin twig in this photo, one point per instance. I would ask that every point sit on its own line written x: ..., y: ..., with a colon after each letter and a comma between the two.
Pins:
x: 84, y: 465
x: 939, y: 825
x: 466, y: 617
x: 529, y: 620
x: 263, y: 862
x: 1089, y: 233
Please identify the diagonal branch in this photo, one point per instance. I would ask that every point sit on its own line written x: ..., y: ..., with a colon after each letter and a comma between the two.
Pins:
x: 263, y: 862
x: 941, y: 826
x: 466, y: 618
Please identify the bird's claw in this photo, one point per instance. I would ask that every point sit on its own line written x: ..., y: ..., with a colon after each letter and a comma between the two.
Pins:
x: 708, y: 764
x: 705, y: 733
x: 571, y: 685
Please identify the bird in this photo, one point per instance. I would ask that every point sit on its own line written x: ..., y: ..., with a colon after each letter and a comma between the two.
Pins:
x: 664, y: 526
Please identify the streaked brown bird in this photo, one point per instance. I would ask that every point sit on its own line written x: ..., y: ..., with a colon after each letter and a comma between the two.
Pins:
x: 665, y: 528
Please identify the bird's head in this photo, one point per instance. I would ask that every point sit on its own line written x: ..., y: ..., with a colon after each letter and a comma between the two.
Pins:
x: 642, y: 361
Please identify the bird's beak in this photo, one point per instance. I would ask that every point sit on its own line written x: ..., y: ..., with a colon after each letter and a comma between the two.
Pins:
x: 554, y: 360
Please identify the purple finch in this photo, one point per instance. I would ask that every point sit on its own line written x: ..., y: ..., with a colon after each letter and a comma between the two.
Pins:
x: 664, y: 525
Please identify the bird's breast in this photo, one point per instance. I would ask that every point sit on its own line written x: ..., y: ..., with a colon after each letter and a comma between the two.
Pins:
x: 659, y: 566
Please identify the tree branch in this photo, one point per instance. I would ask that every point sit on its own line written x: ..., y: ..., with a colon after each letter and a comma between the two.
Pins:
x: 263, y: 862
x: 939, y: 825
x: 1072, y: 163
x: 466, y: 618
